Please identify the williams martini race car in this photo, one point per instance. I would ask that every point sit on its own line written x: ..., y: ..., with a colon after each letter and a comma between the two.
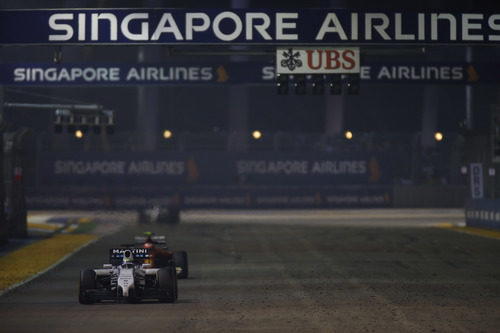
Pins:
x: 161, y: 256
x: 128, y: 278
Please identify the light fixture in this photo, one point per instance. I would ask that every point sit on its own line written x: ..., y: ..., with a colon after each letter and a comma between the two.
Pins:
x: 167, y: 134
x: 353, y: 84
x: 282, y: 84
x: 335, y: 84
x: 348, y: 135
x: 299, y: 83
x: 318, y: 84
x: 257, y: 134
x: 79, y: 134
x: 438, y: 136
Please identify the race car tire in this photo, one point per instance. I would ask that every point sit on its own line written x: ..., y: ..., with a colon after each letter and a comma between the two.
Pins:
x: 167, y: 283
x: 87, y: 282
x: 142, y: 218
x: 174, y: 277
x: 162, y: 260
x: 181, y: 260
x: 170, y: 215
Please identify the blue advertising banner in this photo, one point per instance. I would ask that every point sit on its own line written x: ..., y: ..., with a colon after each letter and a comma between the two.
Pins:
x: 483, y: 213
x: 214, y: 197
x: 246, y: 26
x: 207, y: 73
x: 126, y: 74
x: 160, y: 170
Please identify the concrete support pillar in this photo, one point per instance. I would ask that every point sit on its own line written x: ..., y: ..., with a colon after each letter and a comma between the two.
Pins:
x: 429, y: 115
x: 14, y: 179
x: 469, y: 117
x: 238, y: 102
x: 3, y: 220
x: 238, y: 118
x: 148, y: 105
x: 334, y: 114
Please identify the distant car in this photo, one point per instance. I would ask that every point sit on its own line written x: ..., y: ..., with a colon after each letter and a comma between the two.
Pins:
x: 127, y: 277
x: 159, y: 214
x: 161, y: 255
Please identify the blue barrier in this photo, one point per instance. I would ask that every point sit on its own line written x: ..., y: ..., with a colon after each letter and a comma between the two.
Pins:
x: 483, y: 213
x: 215, y: 197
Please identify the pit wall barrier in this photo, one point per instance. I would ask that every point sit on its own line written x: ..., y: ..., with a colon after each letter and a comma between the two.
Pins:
x: 248, y: 197
x: 214, y: 197
x: 483, y: 213
x: 432, y: 196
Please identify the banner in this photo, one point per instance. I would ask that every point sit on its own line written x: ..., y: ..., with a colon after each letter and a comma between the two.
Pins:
x: 476, y: 181
x: 246, y: 26
x: 213, y: 197
x: 228, y: 73
x: 317, y: 60
x: 483, y: 213
x: 159, y: 170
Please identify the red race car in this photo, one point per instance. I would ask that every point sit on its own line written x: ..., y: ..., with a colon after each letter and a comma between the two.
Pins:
x: 161, y: 256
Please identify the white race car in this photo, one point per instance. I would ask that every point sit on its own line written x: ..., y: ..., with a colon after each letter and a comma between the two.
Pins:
x: 128, y: 278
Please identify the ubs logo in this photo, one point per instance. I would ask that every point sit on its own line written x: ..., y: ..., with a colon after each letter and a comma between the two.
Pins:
x: 291, y: 60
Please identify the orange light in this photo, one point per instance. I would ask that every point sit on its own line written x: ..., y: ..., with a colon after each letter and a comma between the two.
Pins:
x: 79, y: 134
x: 167, y: 134
x: 438, y: 136
x: 348, y: 135
x: 257, y: 134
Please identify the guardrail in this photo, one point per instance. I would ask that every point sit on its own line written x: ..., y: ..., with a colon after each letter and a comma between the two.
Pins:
x: 249, y: 197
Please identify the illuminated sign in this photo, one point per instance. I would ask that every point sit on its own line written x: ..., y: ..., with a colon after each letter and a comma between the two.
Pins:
x: 476, y: 180
x: 317, y: 60
x: 211, y: 73
x: 246, y: 26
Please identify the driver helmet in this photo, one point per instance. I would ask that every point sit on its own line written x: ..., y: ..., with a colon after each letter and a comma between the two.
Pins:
x: 128, y: 262
x: 149, y: 244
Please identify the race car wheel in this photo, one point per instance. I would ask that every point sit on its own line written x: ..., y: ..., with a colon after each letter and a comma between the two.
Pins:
x: 167, y: 283
x: 87, y: 282
x: 174, y: 277
x: 181, y: 260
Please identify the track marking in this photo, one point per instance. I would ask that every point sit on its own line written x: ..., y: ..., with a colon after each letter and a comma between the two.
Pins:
x: 488, y: 233
x: 46, y: 227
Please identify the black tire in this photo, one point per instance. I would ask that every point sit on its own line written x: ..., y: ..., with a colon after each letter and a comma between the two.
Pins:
x: 174, y: 215
x: 181, y: 260
x: 167, y: 283
x: 174, y: 277
x: 87, y: 282
x: 162, y: 260
x: 143, y: 217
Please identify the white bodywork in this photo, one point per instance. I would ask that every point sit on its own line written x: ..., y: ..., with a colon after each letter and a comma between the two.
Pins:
x: 126, y: 276
x: 126, y: 280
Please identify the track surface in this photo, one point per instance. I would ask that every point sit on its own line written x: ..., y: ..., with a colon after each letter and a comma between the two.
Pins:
x: 286, y: 278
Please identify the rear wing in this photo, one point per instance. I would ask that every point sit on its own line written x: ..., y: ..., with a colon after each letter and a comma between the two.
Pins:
x: 116, y: 255
x: 155, y: 239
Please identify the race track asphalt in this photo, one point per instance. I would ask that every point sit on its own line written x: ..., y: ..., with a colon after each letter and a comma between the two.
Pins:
x: 285, y: 278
